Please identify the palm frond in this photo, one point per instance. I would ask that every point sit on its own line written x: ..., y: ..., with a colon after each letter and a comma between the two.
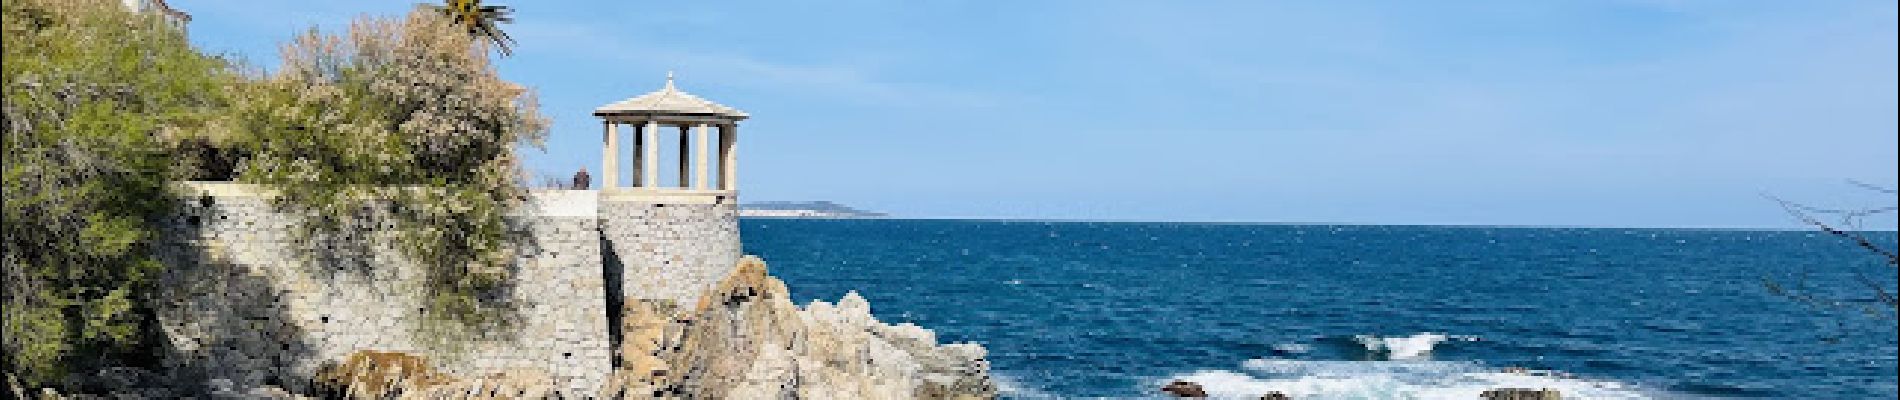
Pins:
x: 482, y: 22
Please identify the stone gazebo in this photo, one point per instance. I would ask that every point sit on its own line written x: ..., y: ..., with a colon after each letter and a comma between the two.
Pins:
x: 696, y: 119
x: 669, y: 242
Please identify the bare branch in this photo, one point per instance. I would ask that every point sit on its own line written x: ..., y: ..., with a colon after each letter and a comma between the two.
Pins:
x: 1870, y: 186
x: 1802, y: 212
x: 1880, y: 292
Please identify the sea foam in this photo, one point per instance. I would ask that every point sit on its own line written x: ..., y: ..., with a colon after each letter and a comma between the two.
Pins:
x: 1399, y: 348
x: 1391, y: 380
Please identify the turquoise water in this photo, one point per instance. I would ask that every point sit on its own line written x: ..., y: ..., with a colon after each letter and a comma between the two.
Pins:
x: 1116, y: 309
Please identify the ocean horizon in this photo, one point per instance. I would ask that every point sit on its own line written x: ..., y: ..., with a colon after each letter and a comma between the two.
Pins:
x: 1119, y: 308
x: 1323, y: 223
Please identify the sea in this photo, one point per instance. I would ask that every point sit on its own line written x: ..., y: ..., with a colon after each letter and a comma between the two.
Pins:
x: 1118, y: 309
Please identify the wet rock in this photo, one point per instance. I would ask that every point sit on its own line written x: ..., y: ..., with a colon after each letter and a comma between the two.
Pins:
x: 1274, y: 396
x: 1184, y: 389
x: 1520, y: 394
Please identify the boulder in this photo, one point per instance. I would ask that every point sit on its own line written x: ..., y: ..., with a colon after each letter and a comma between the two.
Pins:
x: 370, y: 374
x: 1520, y: 394
x: 1184, y: 389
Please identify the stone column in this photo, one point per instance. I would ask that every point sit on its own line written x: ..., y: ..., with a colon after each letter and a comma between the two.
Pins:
x: 699, y: 158
x: 728, y: 157
x: 650, y: 169
x: 685, y: 156
x: 639, y: 155
x: 610, y: 158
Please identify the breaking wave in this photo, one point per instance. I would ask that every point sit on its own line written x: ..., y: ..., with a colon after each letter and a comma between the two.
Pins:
x: 1007, y: 386
x: 1391, y: 380
x: 1399, y: 348
x: 1397, y: 367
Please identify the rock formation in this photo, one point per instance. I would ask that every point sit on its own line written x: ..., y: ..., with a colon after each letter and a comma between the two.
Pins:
x: 746, y: 340
x: 1184, y: 389
x: 1521, y: 394
x: 743, y: 340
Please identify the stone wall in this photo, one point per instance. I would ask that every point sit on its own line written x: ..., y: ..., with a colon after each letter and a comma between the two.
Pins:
x: 244, y: 300
x: 669, y: 247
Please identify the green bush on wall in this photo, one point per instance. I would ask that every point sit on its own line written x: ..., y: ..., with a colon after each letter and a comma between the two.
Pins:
x: 104, y: 107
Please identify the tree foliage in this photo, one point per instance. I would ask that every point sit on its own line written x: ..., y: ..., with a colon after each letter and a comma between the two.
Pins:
x: 405, y: 116
x: 94, y: 97
x: 480, y: 21
x: 104, y: 107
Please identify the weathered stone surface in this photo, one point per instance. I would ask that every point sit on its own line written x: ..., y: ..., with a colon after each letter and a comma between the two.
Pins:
x: 245, y: 300
x: 746, y: 340
x: 373, y: 374
x: 671, y: 251
x: 376, y: 374
x: 252, y: 310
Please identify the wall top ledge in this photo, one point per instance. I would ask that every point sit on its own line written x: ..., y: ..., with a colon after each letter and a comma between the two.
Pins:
x: 683, y: 196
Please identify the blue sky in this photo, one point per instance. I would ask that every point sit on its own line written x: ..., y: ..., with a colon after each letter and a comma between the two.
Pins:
x: 1594, y: 113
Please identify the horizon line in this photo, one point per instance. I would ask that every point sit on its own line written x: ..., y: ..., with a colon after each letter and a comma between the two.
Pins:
x: 1503, y: 226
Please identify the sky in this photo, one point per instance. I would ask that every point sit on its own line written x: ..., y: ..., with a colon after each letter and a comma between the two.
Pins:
x: 1629, y: 113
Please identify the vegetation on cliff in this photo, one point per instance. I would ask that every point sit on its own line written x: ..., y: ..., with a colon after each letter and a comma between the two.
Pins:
x: 94, y: 98
x: 404, y: 117
x: 104, y: 107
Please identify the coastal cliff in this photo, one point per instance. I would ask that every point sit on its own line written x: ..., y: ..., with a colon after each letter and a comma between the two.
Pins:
x: 745, y: 339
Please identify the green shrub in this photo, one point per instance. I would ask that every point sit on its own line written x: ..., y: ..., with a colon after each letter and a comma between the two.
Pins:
x: 408, y: 117
x: 94, y: 95
x: 105, y: 107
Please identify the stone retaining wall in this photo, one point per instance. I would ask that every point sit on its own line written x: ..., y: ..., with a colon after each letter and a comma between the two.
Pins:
x: 669, y: 249
x: 244, y: 300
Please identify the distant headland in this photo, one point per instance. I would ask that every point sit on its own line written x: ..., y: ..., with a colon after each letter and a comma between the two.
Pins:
x: 804, y: 209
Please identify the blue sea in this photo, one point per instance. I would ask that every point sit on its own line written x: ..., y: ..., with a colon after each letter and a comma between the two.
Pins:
x: 1085, y: 309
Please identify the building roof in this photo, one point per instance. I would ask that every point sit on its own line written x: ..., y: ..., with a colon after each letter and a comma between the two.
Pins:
x: 161, y: 7
x: 669, y: 101
x: 173, y: 12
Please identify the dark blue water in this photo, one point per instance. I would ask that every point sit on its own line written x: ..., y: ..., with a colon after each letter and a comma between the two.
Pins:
x: 1114, y: 309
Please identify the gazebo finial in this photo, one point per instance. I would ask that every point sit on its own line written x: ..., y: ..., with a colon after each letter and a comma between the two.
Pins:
x: 669, y: 81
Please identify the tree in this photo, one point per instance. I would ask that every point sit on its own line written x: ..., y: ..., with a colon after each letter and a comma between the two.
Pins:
x: 408, y: 117
x: 481, y: 22
x: 103, y: 108
x: 94, y: 95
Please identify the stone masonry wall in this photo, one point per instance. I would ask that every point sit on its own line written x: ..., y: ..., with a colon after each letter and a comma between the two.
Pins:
x: 670, y: 250
x: 245, y: 301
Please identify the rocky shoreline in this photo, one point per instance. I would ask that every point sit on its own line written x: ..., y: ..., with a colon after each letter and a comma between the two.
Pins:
x: 745, y: 339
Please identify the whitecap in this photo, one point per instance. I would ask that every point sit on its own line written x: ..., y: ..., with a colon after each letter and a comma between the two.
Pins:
x: 1009, y: 387
x: 1293, y: 348
x: 1415, y: 347
x: 1389, y: 380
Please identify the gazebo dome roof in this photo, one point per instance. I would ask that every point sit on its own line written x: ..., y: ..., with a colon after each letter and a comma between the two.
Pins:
x: 669, y: 101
